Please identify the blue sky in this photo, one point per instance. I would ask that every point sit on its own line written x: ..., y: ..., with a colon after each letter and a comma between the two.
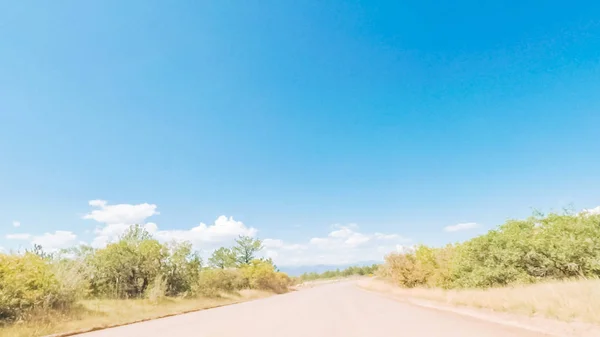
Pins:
x: 365, y: 125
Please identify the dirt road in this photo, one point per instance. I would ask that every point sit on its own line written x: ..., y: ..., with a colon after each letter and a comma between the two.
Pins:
x: 333, y: 310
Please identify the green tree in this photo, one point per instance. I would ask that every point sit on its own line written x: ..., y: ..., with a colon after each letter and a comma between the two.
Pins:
x: 246, y: 249
x: 126, y: 268
x: 181, y: 268
x: 223, y: 258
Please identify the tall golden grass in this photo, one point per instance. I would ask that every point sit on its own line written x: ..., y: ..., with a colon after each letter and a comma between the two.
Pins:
x: 101, y: 313
x: 567, y: 300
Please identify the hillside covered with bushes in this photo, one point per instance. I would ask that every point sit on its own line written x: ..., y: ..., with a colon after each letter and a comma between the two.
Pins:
x: 539, y: 248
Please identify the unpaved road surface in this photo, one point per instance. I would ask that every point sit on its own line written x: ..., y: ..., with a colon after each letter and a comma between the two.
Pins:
x: 333, y: 310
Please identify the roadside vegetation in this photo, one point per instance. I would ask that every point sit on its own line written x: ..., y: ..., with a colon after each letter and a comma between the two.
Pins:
x: 331, y: 274
x: 559, y: 253
x: 135, y: 278
x: 569, y: 300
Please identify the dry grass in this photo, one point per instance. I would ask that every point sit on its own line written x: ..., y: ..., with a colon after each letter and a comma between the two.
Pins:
x: 563, y: 300
x: 104, y: 313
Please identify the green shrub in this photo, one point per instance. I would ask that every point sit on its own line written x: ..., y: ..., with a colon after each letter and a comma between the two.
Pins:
x: 213, y: 282
x: 71, y: 275
x: 126, y: 268
x: 519, y: 251
x: 405, y: 270
x: 262, y: 274
x: 181, y: 269
x: 27, y: 283
x: 497, y: 258
x: 135, y: 266
x: 568, y: 246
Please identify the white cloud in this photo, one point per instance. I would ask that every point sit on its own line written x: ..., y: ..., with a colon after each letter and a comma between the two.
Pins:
x: 16, y: 224
x: 111, y: 232
x: 386, y: 236
x: 97, y: 203
x: 18, y: 236
x: 54, y: 241
x: 319, y: 241
x: 461, y: 227
x: 344, y: 244
x: 592, y: 211
x: 279, y: 244
x: 116, y: 219
x: 49, y: 241
x: 151, y: 227
x: 272, y: 243
x: 107, y: 234
x: 223, y: 231
x: 343, y: 232
x: 295, y: 246
x: 121, y: 213
x: 357, y: 239
x: 348, y: 236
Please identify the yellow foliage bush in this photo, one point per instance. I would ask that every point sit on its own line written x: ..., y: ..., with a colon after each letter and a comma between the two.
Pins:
x: 28, y: 282
x: 262, y: 275
x: 35, y: 284
x: 258, y: 274
x: 213, y: 282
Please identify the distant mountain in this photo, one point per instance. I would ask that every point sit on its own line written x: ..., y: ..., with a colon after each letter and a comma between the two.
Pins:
x: 321, y: 268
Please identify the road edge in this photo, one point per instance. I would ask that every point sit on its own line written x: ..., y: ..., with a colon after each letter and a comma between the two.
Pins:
x: 552, y: 328
x: 98, y: 328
